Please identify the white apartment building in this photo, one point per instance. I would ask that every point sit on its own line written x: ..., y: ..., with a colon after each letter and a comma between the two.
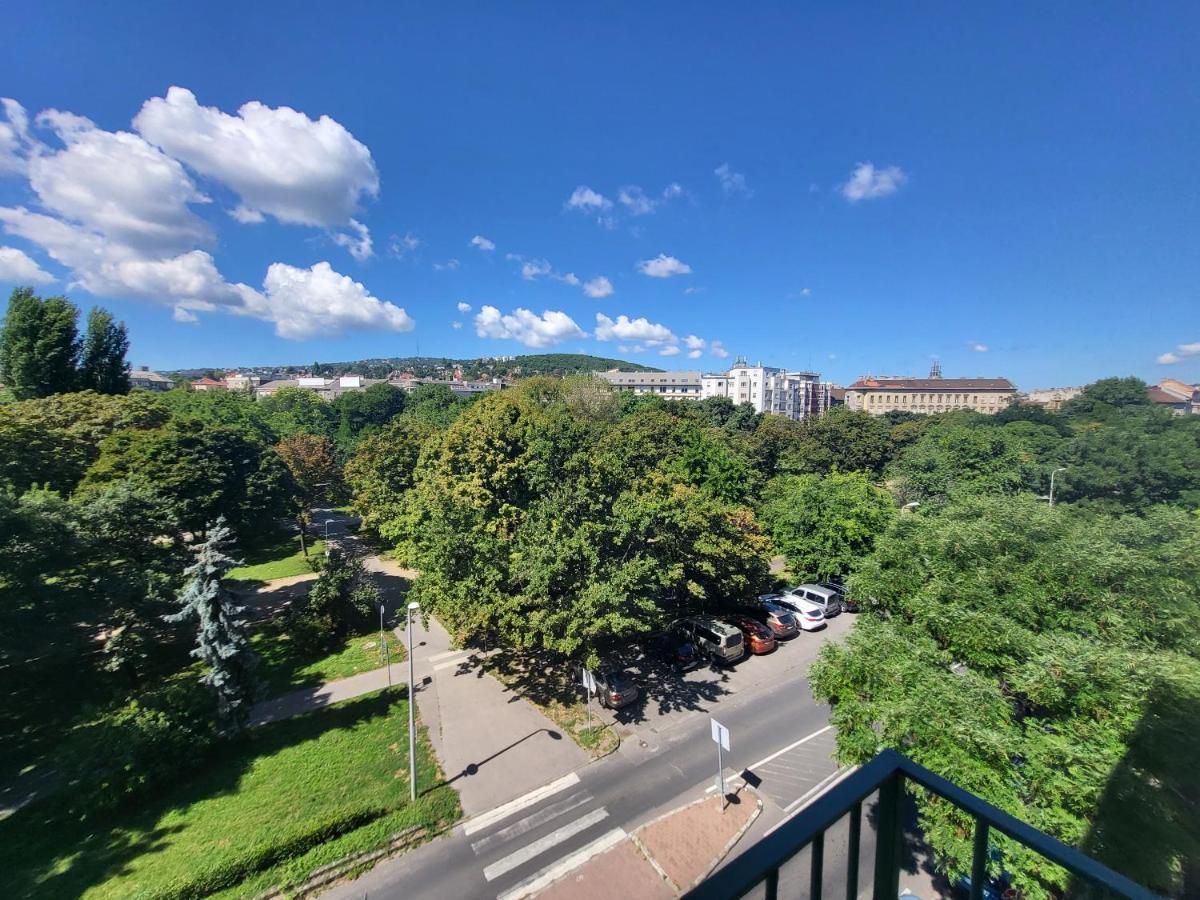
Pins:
x: 668, y: 385
x: 769, y: 389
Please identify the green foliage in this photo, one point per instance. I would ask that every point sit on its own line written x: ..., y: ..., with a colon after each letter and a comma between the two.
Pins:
x: 381, y: 473
x: 1106, y: 398
x: 434, y: 404
x: 229, y: 409
x: 312, y: 462
x: 842, y: 440
x: 102, y: 365
x: 340, y: 603
x: 291, y: 410
x: 39, y: 345
x: 358, y: 411
x: 825, y: 525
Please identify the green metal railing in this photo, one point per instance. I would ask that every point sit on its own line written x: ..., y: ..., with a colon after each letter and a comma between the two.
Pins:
x: 887, y: 773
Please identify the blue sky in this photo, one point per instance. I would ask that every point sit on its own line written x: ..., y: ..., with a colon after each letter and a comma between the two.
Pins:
x: 849, y: 188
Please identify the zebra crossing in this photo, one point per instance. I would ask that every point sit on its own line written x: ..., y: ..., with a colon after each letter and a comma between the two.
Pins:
x: 527, y: 844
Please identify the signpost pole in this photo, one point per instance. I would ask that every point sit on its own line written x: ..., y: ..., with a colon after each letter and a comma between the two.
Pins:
x: 721, y: 777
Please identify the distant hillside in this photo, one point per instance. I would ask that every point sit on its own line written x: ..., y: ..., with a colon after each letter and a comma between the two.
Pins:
x: 480, y: 367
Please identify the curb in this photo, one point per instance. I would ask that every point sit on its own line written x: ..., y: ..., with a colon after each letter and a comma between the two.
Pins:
x: 733, y: 840
x: 329, y: 872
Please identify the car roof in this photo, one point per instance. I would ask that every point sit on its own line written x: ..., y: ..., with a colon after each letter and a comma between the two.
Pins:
x: 816, y: 589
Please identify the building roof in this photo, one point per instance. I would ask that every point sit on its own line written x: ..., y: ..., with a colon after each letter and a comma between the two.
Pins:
x: 933, y: 384
x: 147, y: 375
x: 1158, y: 395
x: 208, y: 381
x: 1181, y: 389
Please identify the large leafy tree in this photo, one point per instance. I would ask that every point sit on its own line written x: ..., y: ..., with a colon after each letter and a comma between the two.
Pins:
x: 316, y: 475
x: 292, y: 410
x: 39, y: 345
x: 1026, y: 653
x: 1107, y: 397
x: 825, y: 524
x: 842, y: 439
x: 358, y: 411
x: 382, y: 473
x: 102, y: 365
x: 222, y: 638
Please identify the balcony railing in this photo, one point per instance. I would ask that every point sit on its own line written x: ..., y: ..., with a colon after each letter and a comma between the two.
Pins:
x: 887, y: 774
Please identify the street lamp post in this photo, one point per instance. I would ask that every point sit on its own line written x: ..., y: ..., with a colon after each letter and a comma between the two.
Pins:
x: 327, y: 521
x: 1052, y: 474
x: 412, y: 720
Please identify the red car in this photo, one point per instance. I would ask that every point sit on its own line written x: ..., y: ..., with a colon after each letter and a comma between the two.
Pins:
x: 759, y: 638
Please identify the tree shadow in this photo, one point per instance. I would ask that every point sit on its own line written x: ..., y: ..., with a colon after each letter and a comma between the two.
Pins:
x: 61, y: 855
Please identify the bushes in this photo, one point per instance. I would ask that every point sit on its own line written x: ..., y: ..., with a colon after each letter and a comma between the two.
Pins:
x: 341, y: 601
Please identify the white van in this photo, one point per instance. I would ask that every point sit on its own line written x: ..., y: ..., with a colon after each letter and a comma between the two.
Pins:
x: 829, y: 601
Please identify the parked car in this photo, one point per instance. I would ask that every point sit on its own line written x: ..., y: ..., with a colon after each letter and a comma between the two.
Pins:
x: 720, y: 642
x: 781, y: 621
x: 848, y: 604
x: 829, y: 601
x: 674, y: 649
x: 758, y: 637
x: 615, y: 688
x: 809, y: 616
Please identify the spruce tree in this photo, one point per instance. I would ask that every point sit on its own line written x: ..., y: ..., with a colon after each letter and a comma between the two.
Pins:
x: 102, y: 367
x: 223, y: 642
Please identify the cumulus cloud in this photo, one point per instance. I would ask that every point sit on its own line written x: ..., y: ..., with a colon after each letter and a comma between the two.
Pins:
x: 585, y: 199
x: 551, y: 327
x: 866, y: 182
x: 598, y: 287
x: 313, y: 302
x: 14, y: 136
x: 663, y: 266
x: 695, y: 343
x: 634, y: 199
x: 669, y: 350
x: 717, y: 349
x: 695, y: 354
x: 482, y: 243
x: 463, y: 306
x: 448, y: 266
x: 535, y: 268
x: 401, y: 246
x: 625, y: 329
x: 732, y: 183
x: 359, y: 243
x: 1179, y: 354
x: 278, y: 160
x: 977, y: 347
x: 17, y: 267
x: 456, y: 325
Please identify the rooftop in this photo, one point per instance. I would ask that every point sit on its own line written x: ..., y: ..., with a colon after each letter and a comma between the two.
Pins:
x: 933, y: 384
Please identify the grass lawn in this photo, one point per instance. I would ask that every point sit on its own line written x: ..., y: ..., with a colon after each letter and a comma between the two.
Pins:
x: 301, y: 791
x: 284, y: 667
x: 280, y: 558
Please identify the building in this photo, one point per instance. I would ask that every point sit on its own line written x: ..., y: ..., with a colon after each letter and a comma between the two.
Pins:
x: 208, y: 384
x: 890, y: 393
x: 770, y: 390
x: 235, y: 381
x: 1052, y: 398
x: 142, y: 378
x: 669, y: 385
x: 331, y: 388
x: 1178, y: 396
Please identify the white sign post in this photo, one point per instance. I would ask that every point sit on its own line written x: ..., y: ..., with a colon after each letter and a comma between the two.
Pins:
x: 720, y: 736
x: 589, y: 685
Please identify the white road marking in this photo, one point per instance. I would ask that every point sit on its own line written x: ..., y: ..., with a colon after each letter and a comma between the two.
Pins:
x: 447, y: 655
x: 557, y: 870
x: 809, y: 797
x: 802, y: 740
x: 492, y: 816
x: 542, y: 844
x: 541, y: 817
x: 450, y: 664
x: 816, y: 789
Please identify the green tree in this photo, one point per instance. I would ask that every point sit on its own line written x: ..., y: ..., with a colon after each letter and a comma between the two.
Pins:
x: 435, y: 404
x: 292, y: 410
x: 843, y: 439
x: 342, y: 600
x: 316, y: 475
x: 825, y: 525
x: 222, y: 639
x: 1107, y: 397
x: 39, y: 345
x: 103, y: 368
x: 959, y: 454
x: 358, y: 411
x: 382, y: 473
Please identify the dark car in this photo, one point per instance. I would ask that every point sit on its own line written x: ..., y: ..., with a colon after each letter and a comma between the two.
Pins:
x: 758, y: 636
x: 615, y: 688
x: 848, y: 604
x: 781, y: 621
x: 673, y: 649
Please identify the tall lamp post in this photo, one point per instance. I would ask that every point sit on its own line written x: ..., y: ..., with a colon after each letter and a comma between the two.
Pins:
x: 1052, y: 474
x: 412, y: 721
x: 327, y: 521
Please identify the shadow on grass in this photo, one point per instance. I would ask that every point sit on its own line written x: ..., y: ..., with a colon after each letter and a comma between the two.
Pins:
x: 45, y: 852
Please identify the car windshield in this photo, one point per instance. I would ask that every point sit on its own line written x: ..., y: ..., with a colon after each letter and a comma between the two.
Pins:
x: 618, y: 681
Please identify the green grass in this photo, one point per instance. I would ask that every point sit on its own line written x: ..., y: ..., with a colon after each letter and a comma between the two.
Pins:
x: 284, y: 667
x: 281, y: 558
x: 291, y: 794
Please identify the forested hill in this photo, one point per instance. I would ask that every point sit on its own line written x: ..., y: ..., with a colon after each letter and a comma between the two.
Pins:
x: 479, y: 367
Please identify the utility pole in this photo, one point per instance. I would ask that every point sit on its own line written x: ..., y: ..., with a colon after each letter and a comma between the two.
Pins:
x: 1052, y: 474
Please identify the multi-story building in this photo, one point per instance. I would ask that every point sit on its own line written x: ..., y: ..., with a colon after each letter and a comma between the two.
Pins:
x: 1052, y: 398
x: 208, y: 384
x: 769, y: 389
x: 330, y: 388
x: 668, y: 385
x: 1178, y: 396
x: 887, y: 393
x: 142, y: 378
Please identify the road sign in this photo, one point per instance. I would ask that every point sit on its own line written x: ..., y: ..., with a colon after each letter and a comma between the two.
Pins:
x: 720, y: 734
x: 589, y: 682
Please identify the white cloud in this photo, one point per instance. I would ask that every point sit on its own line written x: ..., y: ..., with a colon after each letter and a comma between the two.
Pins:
x: 482, y: 243
x: 866, y: 182
x: 17, y: 267
x: 695, y: 354
x: 585, y: 199
x: 732, y: 183
x: 448, y: 266
x: 695, y: 343
x: 278, y: 160
x: 570, y: 278
x: 359, y: 243
x: 670, y: 350
x: 182, y: 314
x: 14, y: 137
x: 663, y: 266
x: 535, y: 268
x: 692, y: 290
x: 463, y: 306
x: 305, y: 303
x: 634, y: 199
x: 401, y: 246
x: 672, y: 190
x: 626, y: 329
x: 977, y: 347
x: 551, y: 327
x: 598, y: 287
x: 805, y: 292
x: 1179, y: 354
x: 717, y: 349
x: 456, y: 325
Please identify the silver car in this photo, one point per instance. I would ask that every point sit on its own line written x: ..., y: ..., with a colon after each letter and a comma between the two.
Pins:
x: 718, y: 640
x: 830, y: 601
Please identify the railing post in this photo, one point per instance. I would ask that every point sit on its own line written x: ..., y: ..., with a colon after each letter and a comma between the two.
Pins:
x: 979, y: 859
x: 771, y: 891
x: 817, y: 872
x: 887, y: 840
x: 852, y: 851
